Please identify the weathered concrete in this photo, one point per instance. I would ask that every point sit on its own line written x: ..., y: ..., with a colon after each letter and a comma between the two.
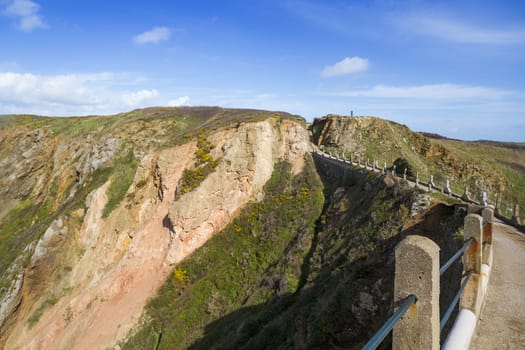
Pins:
x: 472, y: 260
x: 488, y: 220
x: 417, y: 272
x: 502, y: 321
x: 516, y: 215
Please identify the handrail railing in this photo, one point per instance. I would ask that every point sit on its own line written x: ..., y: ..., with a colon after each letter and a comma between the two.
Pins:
x: 431, y: 186
x: 455, y: 256
x: 454, y: 302
x: 417, y: 258
x: 387, y: 327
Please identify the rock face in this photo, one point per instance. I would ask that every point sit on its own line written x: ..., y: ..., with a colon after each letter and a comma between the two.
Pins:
x: 95, y: 274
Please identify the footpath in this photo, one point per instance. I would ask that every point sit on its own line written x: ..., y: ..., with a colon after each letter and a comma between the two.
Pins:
x: 502, y: 322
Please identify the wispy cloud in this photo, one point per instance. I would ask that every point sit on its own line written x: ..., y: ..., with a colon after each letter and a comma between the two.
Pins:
x: 459, y: 31
x: 180, y: 101
x: 348, y: 65
x: 333, y: 16
x: 153, y: 36
x: 27, y: 14
x: 72, y: 94
x: 137, y: 98
x: 430, y: 92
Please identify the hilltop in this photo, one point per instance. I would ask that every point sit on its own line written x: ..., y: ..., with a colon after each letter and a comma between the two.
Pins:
x: 494, y: 167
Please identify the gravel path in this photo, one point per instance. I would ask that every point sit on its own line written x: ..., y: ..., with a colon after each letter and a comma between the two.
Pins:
x: 502, y: 321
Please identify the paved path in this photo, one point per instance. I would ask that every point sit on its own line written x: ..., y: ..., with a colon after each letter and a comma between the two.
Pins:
x: 502, y: 322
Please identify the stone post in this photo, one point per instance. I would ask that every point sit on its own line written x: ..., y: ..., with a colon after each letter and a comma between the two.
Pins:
x: 488, y: 220
x: 472, y: 260
x: 465, y: 195
x: 447, y: 187
x: 405, y: 174
x: 431, y: 183
x: 484, y: 199
x: 417, y: 272
x: 417, y: 178
x: 384, y: 167
x: 394, y: 170
x: 498, y: 203
x: 516, y: 215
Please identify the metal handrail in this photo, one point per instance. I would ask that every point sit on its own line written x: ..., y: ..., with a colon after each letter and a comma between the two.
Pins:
x: 455, y: 256
x: 387, y: 327
x: 447, y: 314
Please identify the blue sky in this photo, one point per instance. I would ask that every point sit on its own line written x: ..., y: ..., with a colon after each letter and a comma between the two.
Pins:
x: 452, y: 67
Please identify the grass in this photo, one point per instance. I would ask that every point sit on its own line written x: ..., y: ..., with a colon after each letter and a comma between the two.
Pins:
x: 205, y: 164
x: 35, y: 317
x: 507, y: 161
x: 237, y: 257
x: 483, y: 166
x: 123, y: 172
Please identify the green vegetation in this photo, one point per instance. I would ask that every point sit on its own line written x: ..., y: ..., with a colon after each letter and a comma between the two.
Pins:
x: 283, y: 276
x: 205, y: 165
x: 503, y: 159
x: 33, y: 319
x: 482, y: 165
x: 123, y: 173
x: 227, y: 273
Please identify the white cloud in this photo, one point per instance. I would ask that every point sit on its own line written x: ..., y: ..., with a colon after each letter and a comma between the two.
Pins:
x: 454, y: 30
x: 153, y: 36
x: 27, y: 13
x: 133, y: 99
x: 431, y: 92
x: 71, y: 94
x: 348, y: 65
x: 180, y: 101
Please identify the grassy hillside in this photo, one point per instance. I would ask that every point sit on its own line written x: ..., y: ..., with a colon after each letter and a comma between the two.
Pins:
x: 482, y: 166
x: 505, y: 158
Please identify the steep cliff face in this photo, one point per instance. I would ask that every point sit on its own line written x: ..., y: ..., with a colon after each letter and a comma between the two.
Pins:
x: 113, y: 220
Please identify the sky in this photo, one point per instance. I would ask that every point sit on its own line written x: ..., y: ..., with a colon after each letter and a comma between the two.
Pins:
x: 456, y: 68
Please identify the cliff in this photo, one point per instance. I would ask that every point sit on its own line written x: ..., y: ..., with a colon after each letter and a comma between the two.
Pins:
x: 104, y: 190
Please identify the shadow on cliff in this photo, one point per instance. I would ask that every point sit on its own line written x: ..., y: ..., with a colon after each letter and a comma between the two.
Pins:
x: 341, y: 305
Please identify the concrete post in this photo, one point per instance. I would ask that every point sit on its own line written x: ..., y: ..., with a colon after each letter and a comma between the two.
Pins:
x: 447, y: 187
x: 417, y: 178
x: 431, y: 183
x: 484, y: 202
x: 498, y: 203
x: 516, y: 215
x: 394, y: 170
x: 472, y: 260
x: 384, y: 167
x: 488, y: 220
x: 405, y: 174
x: 465, y: 195
x: 417, y: 272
